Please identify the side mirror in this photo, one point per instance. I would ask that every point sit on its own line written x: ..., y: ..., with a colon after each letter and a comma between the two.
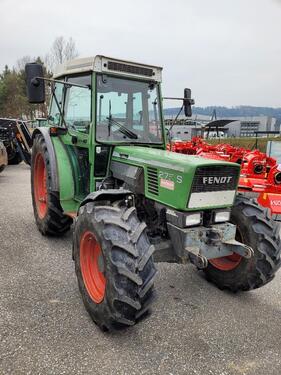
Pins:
x: 187, y: 102
x: 34, y: 83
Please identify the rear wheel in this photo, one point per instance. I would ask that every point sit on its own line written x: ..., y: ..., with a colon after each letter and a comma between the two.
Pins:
x: 256, y: 229
x: 114, y: 266
x: 48, y: 212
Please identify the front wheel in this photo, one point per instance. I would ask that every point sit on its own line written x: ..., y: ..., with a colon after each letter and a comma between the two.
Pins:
x: 256, y: 229
x: 113, y: 264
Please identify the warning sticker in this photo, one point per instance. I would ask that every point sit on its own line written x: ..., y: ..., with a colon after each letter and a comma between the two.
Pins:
x: 167, y: 184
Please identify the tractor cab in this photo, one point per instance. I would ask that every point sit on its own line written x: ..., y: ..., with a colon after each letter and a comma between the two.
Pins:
x: 98, y: 103
x: 121, y: 101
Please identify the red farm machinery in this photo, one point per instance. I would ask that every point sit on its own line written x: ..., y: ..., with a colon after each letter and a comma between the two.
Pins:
x: 260, y: 175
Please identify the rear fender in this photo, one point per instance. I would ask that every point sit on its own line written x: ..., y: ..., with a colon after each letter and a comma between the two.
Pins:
x: 62, y: 179
x: 52, y: 156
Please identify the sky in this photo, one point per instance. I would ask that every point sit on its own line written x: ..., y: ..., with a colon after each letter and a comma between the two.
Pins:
x: 227, y: 51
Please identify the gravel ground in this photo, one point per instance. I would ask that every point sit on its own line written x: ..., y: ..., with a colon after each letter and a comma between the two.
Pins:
x: 194, y: 328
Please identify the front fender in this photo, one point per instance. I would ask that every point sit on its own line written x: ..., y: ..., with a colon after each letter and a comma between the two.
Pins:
x: 109, y: 194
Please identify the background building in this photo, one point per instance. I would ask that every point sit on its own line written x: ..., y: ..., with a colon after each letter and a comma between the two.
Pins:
x: 186, y: 128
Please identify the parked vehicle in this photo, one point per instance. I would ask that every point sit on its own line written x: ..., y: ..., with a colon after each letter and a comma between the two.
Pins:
x: 16, y: 138
x: 3, y: 157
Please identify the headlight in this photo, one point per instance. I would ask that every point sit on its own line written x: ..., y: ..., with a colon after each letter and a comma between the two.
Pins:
x: 193, y: 219
x: 222, y: 216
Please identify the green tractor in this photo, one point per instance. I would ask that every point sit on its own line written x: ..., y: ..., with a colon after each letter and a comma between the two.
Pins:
x: 101, y: 164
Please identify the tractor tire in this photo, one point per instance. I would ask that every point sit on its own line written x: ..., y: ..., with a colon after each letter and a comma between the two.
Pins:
x: 113, y: 264
x: 256, y: 229
x: 48, y: 212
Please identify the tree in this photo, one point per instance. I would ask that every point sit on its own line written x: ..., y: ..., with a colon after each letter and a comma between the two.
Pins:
x: 20, y: 64
x: 13, y: 98
x: 62, y: 50
x: 13, y: 102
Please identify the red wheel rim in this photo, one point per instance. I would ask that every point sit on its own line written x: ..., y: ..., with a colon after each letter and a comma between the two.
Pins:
x: 40, y: 186
x: 227, y: 263
x: 232, y: 261
x: 91, y: 262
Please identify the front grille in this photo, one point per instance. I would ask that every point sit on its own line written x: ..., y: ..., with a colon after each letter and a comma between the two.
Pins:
x: 215, y: 178
x: 152, y: 180
x: 133, y: 69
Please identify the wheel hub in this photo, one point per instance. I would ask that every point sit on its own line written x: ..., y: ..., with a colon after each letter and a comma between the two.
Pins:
x: 92, y: 266
x: 40, y: 186
x: 230, y: 262
x: 226, y: 263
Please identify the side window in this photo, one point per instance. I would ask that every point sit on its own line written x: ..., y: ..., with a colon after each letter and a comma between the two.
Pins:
x: 54, y: 115
x: 77, y: 108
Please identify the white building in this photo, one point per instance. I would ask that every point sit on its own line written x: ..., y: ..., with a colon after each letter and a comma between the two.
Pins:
x: 186, y: 128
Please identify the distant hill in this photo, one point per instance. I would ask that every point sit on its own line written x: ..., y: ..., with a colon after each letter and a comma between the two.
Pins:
x: 243, y: 110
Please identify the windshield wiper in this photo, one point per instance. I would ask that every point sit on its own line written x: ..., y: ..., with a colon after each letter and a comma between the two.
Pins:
x: 122, y: 128
x: 128, y: 133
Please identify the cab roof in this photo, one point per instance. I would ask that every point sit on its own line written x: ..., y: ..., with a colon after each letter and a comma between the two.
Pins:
x: 109, y: 65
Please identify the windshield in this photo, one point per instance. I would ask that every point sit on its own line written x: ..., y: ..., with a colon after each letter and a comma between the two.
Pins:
x: 127, y: 111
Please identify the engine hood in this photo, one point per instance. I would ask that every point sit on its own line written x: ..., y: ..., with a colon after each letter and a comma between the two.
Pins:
x: 170, y: 177
x: 161, y: 158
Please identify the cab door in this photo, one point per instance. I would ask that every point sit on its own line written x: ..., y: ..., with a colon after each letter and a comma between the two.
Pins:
x: 77, y: 113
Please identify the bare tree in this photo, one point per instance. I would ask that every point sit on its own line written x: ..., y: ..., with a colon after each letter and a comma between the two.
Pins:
x: 70, y: 51
x: 20, y: 64
x: 62, y: 50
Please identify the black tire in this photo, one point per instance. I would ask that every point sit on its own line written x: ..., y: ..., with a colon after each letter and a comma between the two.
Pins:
x: 2, y: 167
x: 16, y: 159
x: 54, y: 223
x: 256, y: 229
x: 129, y: 270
